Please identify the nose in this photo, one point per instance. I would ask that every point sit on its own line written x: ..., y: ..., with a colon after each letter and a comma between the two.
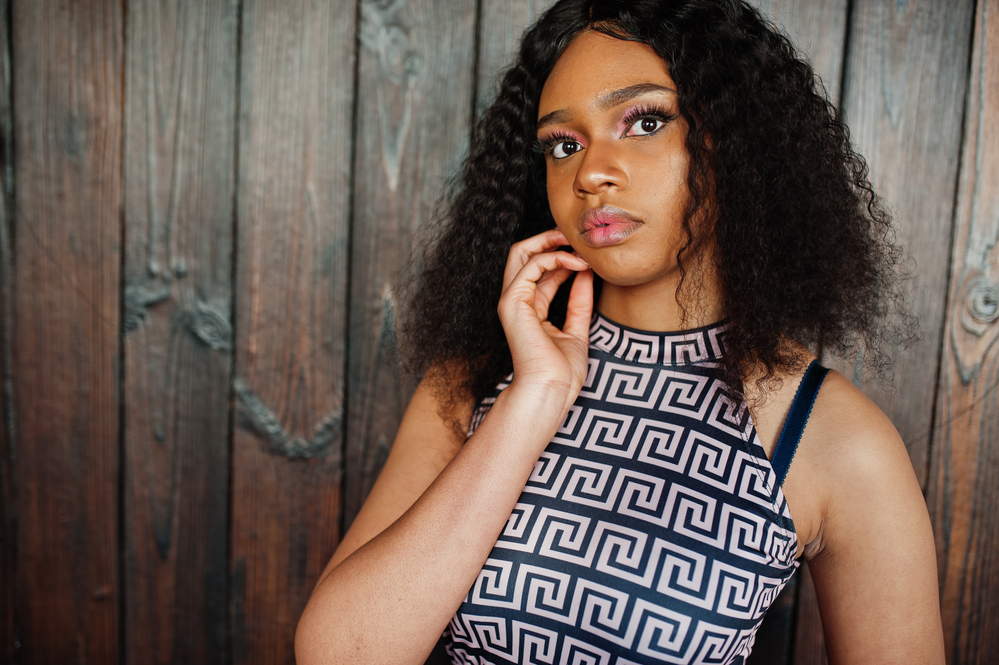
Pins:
x: 599, y: 170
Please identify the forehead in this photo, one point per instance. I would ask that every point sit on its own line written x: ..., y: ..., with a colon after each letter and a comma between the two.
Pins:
x: 595, y: 64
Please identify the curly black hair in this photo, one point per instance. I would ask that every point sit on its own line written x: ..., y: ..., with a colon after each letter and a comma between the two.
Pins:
x: 804, y: 248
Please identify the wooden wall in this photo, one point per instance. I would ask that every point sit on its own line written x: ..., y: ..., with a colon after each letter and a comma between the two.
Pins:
x: 205, y: 209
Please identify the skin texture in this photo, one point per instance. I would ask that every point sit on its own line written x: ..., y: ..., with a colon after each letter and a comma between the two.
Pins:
x: 440, y: 503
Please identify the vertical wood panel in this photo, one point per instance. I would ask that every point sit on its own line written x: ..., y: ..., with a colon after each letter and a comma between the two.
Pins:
x: 67, y: 119
x: 501, y: 26
x: 180, y: 115
x: 964, y: 472
x: 297, y: 80
x: 903, y: 99
x: 8, y: 545
x: 413, y: 109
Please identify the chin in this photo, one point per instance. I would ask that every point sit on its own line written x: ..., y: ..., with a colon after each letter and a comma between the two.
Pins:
x: 632, y: 275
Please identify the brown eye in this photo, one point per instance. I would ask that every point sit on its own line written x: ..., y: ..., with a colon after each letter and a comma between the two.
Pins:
x: 563, y: 149
x: 646, y: 126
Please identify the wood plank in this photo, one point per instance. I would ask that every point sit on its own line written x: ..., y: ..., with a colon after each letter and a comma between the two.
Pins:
x: 818, y: 29
x: 293, y: 196
x: 903, y: 100
x: 413, y: 121
x: 68, y: 62
x: 180, y: 117
x: 964, y: 472
x: 8, y: 547
x: 501, y: 25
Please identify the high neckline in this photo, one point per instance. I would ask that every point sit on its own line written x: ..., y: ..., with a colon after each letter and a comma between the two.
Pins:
x: 697, y: 346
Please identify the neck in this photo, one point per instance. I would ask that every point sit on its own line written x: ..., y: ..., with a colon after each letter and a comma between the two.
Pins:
x: 654, y: 307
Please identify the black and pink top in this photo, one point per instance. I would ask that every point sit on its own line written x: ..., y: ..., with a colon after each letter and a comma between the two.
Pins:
x: 653, y: 528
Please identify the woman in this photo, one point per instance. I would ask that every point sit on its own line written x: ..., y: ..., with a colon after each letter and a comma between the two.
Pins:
x: 627, y: 495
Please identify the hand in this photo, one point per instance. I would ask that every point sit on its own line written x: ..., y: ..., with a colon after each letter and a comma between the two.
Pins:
x: 542, y: 354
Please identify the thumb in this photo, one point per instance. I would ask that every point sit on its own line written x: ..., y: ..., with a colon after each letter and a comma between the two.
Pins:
x: 580, y: 310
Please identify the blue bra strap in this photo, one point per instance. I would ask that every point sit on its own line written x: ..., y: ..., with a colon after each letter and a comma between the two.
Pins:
x: 801, y: 408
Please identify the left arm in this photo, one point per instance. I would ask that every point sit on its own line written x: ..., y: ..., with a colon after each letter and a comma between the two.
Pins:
x: 874, y: 561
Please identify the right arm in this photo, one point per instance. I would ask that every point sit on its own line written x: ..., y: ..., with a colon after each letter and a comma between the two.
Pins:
x: 389, y: 591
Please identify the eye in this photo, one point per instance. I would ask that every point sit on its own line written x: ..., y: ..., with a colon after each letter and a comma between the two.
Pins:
x: 646, y: 126
x: 558, y: 146
x: 646, y: 120
x: 564, y: 149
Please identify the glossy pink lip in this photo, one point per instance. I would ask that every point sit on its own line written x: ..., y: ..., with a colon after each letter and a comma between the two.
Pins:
x: 606, y: 226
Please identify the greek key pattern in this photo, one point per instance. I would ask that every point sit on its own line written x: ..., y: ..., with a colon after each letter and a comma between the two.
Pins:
x: 651, y: 529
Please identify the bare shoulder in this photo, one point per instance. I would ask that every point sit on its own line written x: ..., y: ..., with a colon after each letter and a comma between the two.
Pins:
x: 873, y: 558
x: 856, y: 440
x: 855, y: 452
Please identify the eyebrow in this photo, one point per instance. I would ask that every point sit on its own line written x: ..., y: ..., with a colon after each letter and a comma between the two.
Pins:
x: 608, y: 101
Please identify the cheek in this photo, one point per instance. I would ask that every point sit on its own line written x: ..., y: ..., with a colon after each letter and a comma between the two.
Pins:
x: 560, y: 199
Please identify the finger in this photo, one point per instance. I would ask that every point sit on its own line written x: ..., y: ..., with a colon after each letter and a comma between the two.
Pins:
x: 580, y: 310
x: 540, y: 264
x: 550, y: 282
x: 523, y: 290
x: 521, y: 252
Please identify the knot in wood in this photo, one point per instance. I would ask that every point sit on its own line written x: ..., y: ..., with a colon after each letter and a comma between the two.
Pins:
x: 211, y: 325
x: 983, y: 302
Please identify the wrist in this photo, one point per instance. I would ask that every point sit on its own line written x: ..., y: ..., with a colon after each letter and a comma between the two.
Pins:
x: 541, y: 397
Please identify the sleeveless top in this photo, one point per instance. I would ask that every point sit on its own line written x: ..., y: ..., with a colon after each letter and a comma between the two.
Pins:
x: 652, y: 529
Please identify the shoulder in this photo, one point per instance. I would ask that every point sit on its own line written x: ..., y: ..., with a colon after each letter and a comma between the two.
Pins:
x: 855, y: 450
x: 850, y: 460
x: 849, y: 456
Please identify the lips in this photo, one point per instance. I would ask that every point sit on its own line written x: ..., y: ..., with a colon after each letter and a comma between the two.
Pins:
x: 606, y: 226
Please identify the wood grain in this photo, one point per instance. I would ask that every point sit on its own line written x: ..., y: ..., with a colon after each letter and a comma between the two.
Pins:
x: 502, y: 24
x: 414, y: 105
x: 293, y: 195
x: 964, y: 472
x: 8, y: 511
x: 180, y: 118
x: 67, y: 77
x: 907, y: 70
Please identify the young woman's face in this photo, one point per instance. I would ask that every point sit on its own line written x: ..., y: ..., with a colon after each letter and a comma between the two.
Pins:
x: 617, y: 162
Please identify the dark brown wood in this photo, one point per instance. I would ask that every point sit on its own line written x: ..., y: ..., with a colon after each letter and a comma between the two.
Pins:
x: 413, y: 112
x: 501, y: 25
x: 296, y: 88
x: 180, y: 118
x: 8, y: 546
x: 964, y: 470
x: 809, y: 642
x: 818, y: 29
x: 67, y: 77
x: 903, y: 99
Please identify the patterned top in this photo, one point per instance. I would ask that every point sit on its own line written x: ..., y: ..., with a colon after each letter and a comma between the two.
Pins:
x: 652, y: 529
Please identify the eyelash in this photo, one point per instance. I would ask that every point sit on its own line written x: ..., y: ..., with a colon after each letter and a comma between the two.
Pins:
x: 547, y: 144
x: 643, y: 112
